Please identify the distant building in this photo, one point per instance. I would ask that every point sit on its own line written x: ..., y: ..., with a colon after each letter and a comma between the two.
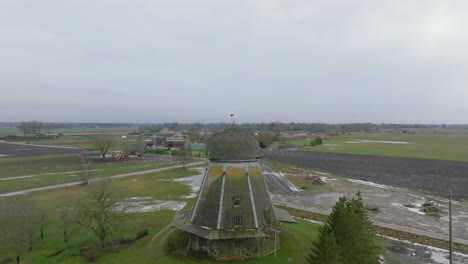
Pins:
x: 234, y: 217
x: 176, y: 141
x: 198, y: 147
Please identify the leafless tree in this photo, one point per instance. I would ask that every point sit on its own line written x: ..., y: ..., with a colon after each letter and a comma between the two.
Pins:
x: 134, y: 146
x: 17, y: 222
x: 100, y: 212
x: 42, y: 221
x: 65, y: 217
x: 30, y: 128
x: 265, y: 138
x: 103, y: 143
x: 184, y: 154
x: 86, y: 163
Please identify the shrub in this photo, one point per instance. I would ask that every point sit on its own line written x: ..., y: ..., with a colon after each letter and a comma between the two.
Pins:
x: 316, y: 141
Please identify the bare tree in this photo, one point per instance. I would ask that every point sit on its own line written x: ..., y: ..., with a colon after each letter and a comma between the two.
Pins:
x: 17, y: 221
x: 30, y: 128
x: 65, y: 216
x: 103, y: 143
x: 134, y: 146
x: 265, y: 139
x: 184, y: 154
x: 42, y: 221
x: 100, y: 212
x: 86, y: 163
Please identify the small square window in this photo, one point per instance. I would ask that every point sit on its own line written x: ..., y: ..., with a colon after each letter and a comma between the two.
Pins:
x: 237, y: 220
x: 237, y: 201
x: 237, y: 244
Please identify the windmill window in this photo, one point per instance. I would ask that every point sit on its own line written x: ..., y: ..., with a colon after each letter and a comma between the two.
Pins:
x: 237, y: 201
x: 237, y: 220
x: 237, y: 244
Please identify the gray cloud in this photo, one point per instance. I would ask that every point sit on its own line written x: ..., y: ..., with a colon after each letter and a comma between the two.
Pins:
x: 189, y: 61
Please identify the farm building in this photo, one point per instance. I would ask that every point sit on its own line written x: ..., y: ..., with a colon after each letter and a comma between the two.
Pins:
x: 234, y: 217
x: 176, y: 141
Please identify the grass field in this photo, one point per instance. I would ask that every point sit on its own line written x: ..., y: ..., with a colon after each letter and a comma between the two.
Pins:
x: 75, y: 141
x: 14, y: 130
x: 295, y: 239
x: 427, y: 146
x: 29, y: 172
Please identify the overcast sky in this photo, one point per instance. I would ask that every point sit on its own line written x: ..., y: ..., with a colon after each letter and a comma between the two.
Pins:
x: 199, y: 61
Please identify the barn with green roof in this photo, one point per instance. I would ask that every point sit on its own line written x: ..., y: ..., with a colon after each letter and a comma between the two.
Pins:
x: 234, y: 217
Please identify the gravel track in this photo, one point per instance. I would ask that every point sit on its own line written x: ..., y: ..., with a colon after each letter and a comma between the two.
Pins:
x: 437, y: 176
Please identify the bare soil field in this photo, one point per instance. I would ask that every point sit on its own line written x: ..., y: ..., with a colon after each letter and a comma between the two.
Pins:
x: 437, y: 176
x: 13, y: 150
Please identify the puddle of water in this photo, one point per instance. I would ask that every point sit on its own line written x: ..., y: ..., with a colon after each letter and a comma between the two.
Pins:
x: 326, y: 179
x: 281, y: 175
x: 416, y: 209
x: 148, y: 204
x: 3, y: 155
x: 382, y: 186
x: 433, y: 254
x: 194, y: 182
x: 358, y: 141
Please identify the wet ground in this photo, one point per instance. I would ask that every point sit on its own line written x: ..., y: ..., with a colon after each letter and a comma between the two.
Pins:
x: 438, y: 176
x: 390, y: 202
x: 396, y: 208
x: 13, y: 150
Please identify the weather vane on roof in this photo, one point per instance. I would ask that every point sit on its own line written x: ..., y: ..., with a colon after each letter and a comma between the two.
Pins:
x: 233, y: 120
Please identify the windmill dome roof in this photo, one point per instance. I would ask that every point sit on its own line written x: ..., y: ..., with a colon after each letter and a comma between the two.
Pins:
x: 233, y: 144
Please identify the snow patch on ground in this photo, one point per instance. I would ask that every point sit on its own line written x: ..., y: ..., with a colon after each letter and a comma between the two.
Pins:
x: 326, y: 179
x: 437, y: 255
x: 291, y: 186
x: 416, y: 209
x: 148, y: 204
x: 358, y: 141
x: 309, y: 220
x: 322, y: 173
x: 194, y: 182
x: 381, y: 186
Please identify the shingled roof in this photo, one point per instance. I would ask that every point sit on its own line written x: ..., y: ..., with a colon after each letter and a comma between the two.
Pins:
x: 233, y: 144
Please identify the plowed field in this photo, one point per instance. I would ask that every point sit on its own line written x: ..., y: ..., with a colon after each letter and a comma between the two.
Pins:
x: 438, y: 176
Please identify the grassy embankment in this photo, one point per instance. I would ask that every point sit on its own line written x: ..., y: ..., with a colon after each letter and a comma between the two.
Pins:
x: 295, y: 239
x: 427, y: 146
x: 56, y: 169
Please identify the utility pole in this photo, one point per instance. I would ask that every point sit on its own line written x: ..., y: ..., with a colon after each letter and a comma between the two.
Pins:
x: 450, y: 227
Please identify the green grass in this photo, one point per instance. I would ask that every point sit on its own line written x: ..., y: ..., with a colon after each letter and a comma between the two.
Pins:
x: 198, y: 153
x: 295, y: 239
x: 76, y: 141
x: 157, y: 185
x: 427, y: 146
x: 295, y: 243
x: 57, y: 169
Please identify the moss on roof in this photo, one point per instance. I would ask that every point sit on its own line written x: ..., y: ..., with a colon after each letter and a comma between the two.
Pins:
x: 233, y: 144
